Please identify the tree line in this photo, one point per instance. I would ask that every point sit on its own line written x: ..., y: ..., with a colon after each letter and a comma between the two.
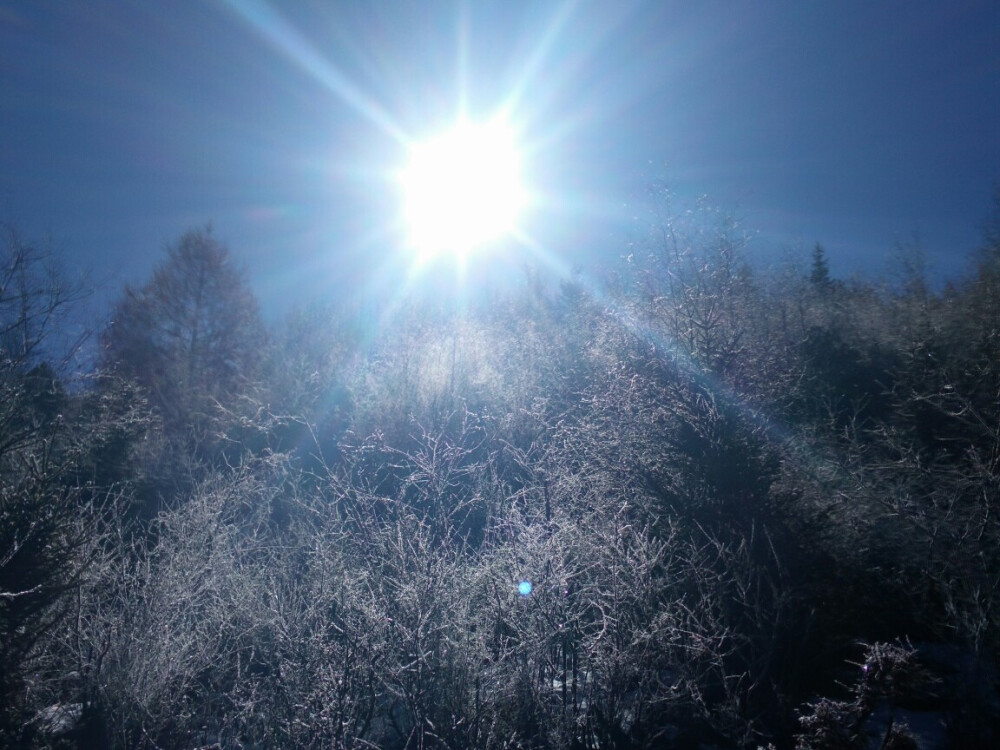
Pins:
x: 699, y: 503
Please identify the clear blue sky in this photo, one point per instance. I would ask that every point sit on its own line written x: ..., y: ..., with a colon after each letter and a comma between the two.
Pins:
x: 857, y: 124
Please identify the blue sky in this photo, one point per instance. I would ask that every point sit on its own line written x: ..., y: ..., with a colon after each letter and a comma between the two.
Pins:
x: 857, y: 124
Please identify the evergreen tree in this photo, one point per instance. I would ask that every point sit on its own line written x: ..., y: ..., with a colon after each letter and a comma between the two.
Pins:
x: 819, y: 276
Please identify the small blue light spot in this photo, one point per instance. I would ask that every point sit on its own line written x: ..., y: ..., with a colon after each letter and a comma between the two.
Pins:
x: 524, y: 588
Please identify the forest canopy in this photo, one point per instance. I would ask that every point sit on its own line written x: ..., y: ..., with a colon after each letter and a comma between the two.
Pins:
x: 697, y: 504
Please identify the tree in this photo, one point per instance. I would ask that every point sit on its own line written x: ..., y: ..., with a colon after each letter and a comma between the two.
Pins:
x: 51, y: 508
x: 819, y: 276
x: 189, y: 337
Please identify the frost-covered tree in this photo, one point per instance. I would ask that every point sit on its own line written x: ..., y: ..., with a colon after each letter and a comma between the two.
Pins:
x: 190, y: 336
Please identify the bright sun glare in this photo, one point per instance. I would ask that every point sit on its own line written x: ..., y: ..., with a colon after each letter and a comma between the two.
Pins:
x: 462, y: 190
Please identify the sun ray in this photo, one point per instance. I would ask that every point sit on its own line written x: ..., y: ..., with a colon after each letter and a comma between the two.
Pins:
x: 534, y: 63
x: 272, y: 26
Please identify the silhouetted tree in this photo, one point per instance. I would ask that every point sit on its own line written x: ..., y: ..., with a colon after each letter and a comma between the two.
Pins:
x: 51, y: 511
x: 819, y: 275
x: 190, y: 336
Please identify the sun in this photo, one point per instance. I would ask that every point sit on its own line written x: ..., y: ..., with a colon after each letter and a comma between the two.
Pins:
x: 462, y: 189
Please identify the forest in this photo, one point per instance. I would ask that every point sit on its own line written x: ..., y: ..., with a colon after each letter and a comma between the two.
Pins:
x: 685, y: 501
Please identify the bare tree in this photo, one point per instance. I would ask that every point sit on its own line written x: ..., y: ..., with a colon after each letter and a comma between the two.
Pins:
x: 49, y: 508
x: 190, y: 336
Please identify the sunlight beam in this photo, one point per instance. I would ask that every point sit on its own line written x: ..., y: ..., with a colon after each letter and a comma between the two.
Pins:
x: 540, y: 53
x: 269, y: 24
